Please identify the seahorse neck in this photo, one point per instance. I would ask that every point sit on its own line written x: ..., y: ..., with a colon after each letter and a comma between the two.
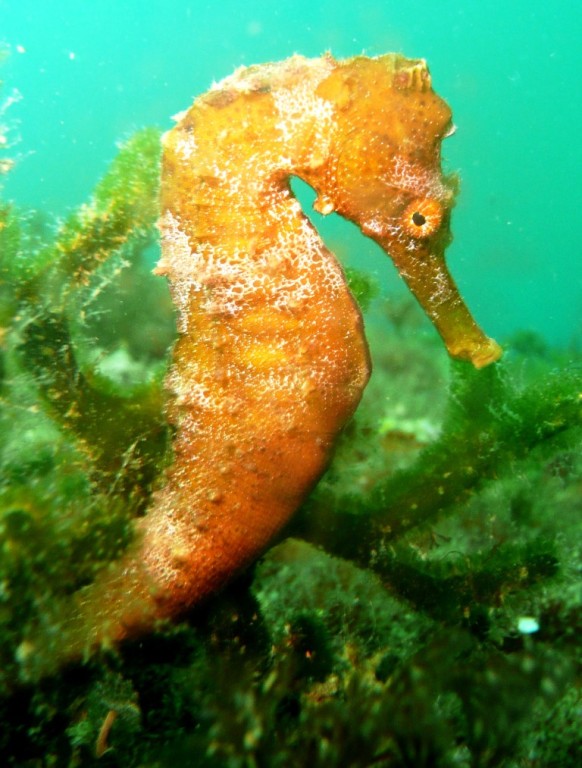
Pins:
x: 235, y: 225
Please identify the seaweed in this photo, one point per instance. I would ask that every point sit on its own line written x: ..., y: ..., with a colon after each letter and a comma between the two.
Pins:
x: 83, y: 430
x: 422, y: 610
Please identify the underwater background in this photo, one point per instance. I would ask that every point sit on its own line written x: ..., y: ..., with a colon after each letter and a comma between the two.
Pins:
x: 90, y: 73
x: 423, y: 608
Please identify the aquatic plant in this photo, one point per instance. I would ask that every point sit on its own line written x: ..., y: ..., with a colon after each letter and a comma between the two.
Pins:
x: 308, y: 658
x: 82, y: 420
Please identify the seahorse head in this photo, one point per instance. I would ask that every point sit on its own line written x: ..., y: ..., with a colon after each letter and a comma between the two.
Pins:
x: 386, y: 176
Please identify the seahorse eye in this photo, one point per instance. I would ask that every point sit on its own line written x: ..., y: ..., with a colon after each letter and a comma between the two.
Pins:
x: 422, y: 217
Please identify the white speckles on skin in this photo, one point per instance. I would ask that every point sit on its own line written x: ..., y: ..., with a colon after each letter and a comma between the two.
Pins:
x: 302, y: 112
x: 299, y: 106
x: 186, y: 148
x: 240, y: 80
x: 440, y: 291
x: 179, y: 116
x: 295, y: 70
x: 176, y: 250
x: 293, y: 86
x: 229, y: 281
x: 176, y: 263
x: 384, y: 227
x: 416, y: 180
x: 375, y: 227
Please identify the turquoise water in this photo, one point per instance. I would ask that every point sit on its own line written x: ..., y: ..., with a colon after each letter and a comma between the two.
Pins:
x: 92, y: 72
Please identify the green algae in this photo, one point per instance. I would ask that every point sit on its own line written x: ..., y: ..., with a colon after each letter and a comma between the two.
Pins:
x: 386, y: 632
x: 81, y: 444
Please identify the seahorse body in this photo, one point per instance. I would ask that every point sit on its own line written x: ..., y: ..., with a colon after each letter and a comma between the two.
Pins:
x: 271, y: 359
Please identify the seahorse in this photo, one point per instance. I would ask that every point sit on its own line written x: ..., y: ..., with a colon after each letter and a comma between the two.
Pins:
x: 271, y: 360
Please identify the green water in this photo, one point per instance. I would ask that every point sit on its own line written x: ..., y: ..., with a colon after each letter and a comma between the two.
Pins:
x: 92, y: 72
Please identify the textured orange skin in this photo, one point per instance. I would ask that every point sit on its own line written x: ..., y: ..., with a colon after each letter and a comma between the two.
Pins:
x: 272, y: 360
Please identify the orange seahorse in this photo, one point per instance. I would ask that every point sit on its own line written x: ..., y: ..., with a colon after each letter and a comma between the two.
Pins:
x: 271, y: 360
